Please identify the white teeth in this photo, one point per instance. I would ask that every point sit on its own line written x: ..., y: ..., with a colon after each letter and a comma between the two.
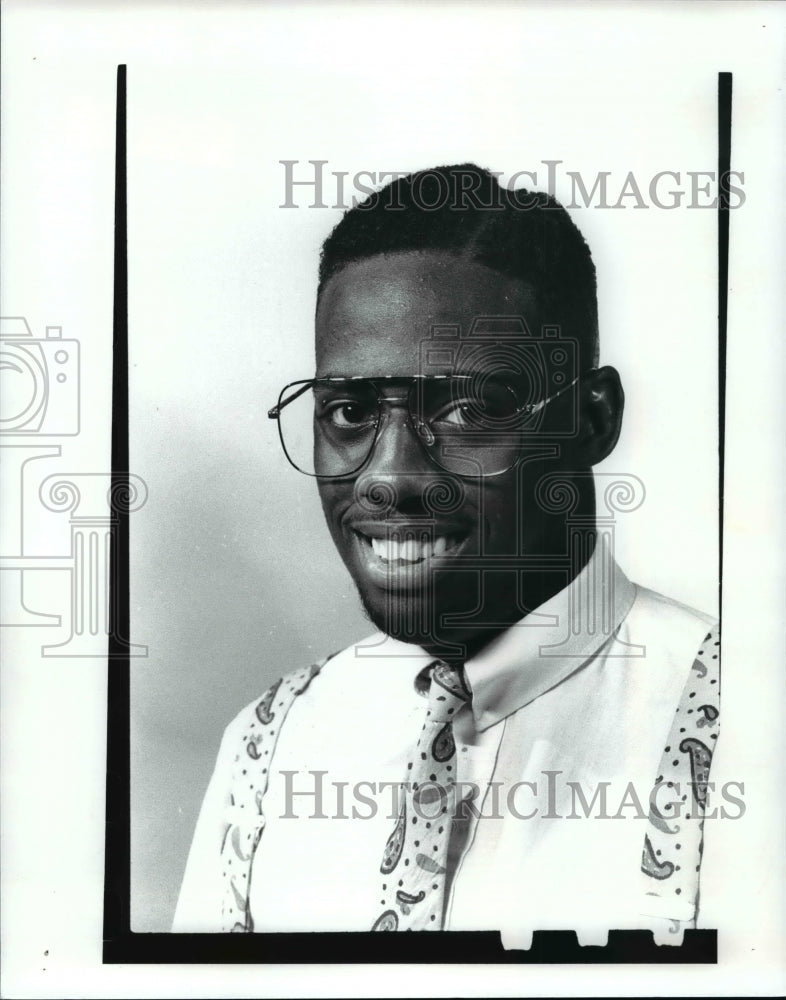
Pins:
x: 409, y: 550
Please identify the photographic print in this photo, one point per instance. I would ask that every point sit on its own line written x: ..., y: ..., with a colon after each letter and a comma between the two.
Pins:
x: 381, y: 393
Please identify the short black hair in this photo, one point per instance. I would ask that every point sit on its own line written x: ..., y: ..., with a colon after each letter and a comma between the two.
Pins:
x: 463, y: 210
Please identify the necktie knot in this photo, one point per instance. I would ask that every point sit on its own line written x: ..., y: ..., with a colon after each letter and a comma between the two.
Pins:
x: 448, y: 691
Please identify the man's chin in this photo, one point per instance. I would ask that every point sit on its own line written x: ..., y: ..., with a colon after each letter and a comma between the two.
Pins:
x: 414, y: 622
x: 402, y: 618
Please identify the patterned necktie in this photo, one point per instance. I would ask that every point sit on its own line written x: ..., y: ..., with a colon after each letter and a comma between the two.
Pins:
x: 414, y: 863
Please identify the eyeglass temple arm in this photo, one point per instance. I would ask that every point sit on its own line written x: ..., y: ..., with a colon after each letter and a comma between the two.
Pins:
x: 274, y: 412
x: 534, y: 407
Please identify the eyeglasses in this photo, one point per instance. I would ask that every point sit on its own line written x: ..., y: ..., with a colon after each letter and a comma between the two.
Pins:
x: 469, y: 425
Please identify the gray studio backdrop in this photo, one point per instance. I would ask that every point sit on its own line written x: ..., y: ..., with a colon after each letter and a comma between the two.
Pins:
x: 234, y: 579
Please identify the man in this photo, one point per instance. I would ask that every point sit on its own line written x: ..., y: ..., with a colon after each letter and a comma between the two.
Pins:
x: 525, y: 743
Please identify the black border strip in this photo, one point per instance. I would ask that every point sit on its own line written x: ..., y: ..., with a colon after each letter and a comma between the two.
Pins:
x: 117, y: 876
x: 700, y: 947
x: 120, y: 943
x: 724, y: 166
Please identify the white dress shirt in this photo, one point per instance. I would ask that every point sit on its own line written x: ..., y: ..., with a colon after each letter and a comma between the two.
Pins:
x: 575, y: 700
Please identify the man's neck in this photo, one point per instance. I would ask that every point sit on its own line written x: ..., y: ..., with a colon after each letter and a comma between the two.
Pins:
x: 537, y: 587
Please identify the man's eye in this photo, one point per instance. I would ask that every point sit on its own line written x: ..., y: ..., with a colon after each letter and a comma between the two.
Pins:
x: 476, y: 413
x: 348, y: 415
x: 457, y: 414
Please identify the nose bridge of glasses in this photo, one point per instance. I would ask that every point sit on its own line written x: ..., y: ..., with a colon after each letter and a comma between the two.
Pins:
x: 400, y: 400
x: 407, y: 397
x: 398, y: 443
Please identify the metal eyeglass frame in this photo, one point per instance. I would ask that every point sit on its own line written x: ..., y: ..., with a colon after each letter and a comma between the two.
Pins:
x: 303, y: 385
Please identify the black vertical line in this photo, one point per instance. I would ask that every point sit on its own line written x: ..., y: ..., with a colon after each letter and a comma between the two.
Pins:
x: 117, y: 864
x: 724, y: 166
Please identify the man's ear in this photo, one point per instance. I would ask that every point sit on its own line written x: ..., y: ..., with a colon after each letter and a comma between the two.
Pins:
x: 601, y: 402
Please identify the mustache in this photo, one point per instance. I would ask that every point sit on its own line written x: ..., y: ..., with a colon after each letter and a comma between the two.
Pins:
x: 401, y: 527
x: 417, y: 497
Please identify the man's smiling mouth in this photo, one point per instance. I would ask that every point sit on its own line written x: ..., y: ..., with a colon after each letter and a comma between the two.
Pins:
x: 409, y: 547
x: 391, y: 548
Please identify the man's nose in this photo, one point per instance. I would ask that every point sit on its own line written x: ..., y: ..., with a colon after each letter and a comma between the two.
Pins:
x: 398, y: 472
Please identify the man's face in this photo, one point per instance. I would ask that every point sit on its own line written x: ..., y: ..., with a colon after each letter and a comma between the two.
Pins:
x: 373, y: 319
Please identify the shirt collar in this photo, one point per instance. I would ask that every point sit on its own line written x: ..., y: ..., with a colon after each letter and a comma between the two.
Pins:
x: 551, y: 642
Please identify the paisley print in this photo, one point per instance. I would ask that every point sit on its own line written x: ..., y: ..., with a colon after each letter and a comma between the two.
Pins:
x: 451, y: 680
x: 313, y: 670
x: 700, y: 759
x: 650, y: 864
x: 430, y: 793
x: 671, y: 858
x: 699, y: 668
x: 249, y: 784
x: 407, y: 900
x: 387, y: 922
x: 263, y: 712
x: 240, y: 901
x: 235, y: 840
x: 429, y: 864
x: 444, y: 747
x: 657, y: 818
x: 395, y: 844
x: 406, y: 897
